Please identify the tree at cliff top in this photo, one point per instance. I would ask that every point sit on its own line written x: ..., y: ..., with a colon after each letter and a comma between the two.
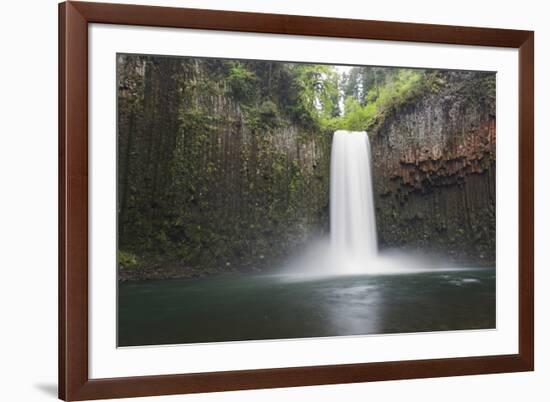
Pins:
x: 370, y: 92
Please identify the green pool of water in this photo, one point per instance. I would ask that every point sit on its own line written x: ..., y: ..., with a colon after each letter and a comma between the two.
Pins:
x: 254, y: 307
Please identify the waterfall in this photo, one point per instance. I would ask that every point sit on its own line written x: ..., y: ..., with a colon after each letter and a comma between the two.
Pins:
x: 352, y: 247
x: 353, y: 240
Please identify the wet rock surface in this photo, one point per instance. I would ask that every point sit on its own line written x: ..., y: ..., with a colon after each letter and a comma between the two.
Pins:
x: 434, y: 171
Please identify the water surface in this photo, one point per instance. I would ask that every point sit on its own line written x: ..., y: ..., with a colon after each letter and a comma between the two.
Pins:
x: 249, y: 307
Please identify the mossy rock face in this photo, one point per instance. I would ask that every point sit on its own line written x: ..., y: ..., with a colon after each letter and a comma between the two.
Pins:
x: 126, y: 260
x: 434, y: 170
x: 213, y: 178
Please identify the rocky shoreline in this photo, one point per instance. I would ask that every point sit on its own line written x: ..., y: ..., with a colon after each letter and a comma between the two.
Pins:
x: 157, y: 272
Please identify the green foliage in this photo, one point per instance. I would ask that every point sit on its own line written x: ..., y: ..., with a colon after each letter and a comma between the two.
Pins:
x: 126, y: 259
x: 242, y: 82
x: 268, y: 109
x: 358, y: 117
x: 317, y: 93
x: 398, y: 88
x: 262, y: 117
x: 307, y: 94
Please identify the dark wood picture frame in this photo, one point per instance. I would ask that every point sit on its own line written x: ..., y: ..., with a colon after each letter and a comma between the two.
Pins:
x: 74, y: 381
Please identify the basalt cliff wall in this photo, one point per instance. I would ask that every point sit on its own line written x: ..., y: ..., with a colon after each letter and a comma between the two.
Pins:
x: 207, y: 183
x: 434, y: 170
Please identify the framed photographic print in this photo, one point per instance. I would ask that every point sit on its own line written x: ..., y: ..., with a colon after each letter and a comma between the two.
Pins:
x: 260, y: 200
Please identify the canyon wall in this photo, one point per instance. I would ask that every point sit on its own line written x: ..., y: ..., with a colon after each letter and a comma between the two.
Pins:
x: 209, y: 181
x: 434, y: 170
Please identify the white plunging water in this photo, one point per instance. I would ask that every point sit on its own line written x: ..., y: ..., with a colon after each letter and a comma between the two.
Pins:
x: 352, y: 220
x: 353, y: 246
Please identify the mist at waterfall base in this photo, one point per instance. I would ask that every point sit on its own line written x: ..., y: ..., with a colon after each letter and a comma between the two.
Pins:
x: 339, y: 286
x: 352, y: 247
